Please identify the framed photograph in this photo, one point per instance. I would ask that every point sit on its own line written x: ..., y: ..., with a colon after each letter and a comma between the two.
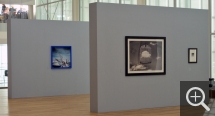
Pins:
x: 61, y: 57
x: 145, y: 55
x: 192, y: 55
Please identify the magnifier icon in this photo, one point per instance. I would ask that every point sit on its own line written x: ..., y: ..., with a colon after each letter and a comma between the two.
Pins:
x: 202, y: 101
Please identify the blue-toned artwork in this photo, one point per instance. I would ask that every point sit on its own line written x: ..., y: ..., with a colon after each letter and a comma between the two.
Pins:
x: 61, y: 57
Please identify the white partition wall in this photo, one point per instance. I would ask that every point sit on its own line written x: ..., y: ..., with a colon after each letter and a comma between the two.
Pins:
x: 30, y: 73
x: 3, y: 33
x: 110, y: 89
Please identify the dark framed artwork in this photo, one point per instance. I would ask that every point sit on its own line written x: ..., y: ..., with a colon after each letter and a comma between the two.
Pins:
x: 61, y: 57
x: 145, y: 55
x: 192, y: 55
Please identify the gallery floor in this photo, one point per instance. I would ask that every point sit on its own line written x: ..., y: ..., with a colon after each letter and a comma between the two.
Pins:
x: 75, y: 105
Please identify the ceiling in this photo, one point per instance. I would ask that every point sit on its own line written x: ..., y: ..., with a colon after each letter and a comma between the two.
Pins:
x: 21, y: 2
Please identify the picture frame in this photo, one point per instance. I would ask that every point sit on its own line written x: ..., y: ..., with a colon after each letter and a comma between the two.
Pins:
x: 61, y: 57
x: 192, y: 55
x: 145, y: 55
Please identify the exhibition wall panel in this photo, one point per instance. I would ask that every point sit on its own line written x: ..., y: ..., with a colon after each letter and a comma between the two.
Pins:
x: 29, y: 46
x: 183, y: 28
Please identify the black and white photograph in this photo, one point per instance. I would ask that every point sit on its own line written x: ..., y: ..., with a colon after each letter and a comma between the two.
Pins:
x: 192, y: 55
x: 145, y: 55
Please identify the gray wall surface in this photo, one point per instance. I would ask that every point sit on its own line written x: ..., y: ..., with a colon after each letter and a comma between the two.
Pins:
x: 30, y: 74
x: 110, y: 89
x: 3, y: 27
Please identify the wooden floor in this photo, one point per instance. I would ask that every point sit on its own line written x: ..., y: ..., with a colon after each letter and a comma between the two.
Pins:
x: 76, y: 105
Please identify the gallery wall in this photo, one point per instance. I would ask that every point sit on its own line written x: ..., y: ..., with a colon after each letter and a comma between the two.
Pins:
x: 3, y: 37
x: 110, y: 89
x: 29, y: 44
x: 3, y: 33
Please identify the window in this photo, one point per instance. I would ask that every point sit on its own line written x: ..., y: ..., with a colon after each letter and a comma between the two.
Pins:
x: 54, y: 9
x: 84, y: 9
x: 41, y: 12
x: 167, y: 3
x: 39, y: 2
x: 213, y: 16
x: 213, y: 56
x: 67, y: 10
x: 128, y: 1
x: 3, y: 54
x: 195, y: 4
x: 3, y: 64
x: 109, y: 1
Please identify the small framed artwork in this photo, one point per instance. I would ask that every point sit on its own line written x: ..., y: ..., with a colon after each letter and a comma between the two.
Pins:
x: 192, y: 55
x: 61, y: 57
x: 145, y: 55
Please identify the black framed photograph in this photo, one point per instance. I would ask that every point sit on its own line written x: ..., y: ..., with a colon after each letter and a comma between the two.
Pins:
x: 192, y: 55
x: 145, y: 55
x: 61, y: 57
